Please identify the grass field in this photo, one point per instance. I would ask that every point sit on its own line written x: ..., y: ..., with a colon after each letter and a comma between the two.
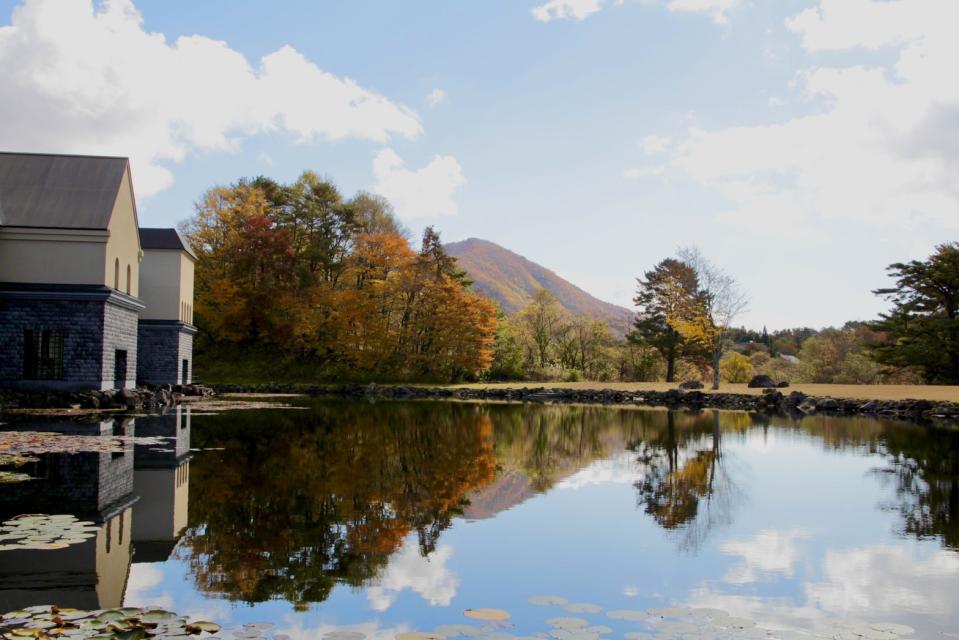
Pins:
x: 857, y: 391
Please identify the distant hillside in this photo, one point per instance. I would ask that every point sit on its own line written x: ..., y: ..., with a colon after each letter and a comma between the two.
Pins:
x: 511, y: 280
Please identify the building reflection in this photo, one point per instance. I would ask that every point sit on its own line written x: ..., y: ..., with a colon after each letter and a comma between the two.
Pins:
x: 161, y: 478
x: 136, y: 496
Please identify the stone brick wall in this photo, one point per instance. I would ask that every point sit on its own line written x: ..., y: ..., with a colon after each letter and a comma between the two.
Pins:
x: 163, y: 348
x: 82, y: 325
x: 120, y: 332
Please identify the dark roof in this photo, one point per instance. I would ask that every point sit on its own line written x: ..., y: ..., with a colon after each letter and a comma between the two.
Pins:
x: 58, y: 191
x: 164, y: 239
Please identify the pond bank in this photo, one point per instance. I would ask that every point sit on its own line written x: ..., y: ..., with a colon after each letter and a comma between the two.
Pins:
x: 769, y: 401
x: 152, y: 398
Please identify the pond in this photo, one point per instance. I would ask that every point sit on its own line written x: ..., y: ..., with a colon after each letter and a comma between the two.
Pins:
x: 341, y: 518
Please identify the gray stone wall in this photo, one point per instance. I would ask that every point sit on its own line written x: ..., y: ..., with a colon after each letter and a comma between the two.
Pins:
x: 82, y: 325
x: 120, y: 332
x: 95, y: 322
x: 163, y: 348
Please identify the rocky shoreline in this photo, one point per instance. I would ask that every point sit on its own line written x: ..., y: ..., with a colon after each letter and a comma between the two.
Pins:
x: 771, y: 401
x: 152, y: 398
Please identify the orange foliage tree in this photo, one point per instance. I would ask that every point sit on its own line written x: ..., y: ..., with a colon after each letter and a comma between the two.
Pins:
x: 301, y: 270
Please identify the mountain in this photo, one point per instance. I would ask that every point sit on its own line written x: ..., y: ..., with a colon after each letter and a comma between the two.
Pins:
x: 511, y: 280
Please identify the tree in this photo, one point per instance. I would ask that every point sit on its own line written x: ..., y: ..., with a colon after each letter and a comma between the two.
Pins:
x: 542, y: 321
x: 722, y: 302
x: 736, y: 368
x: 922, y: 328
x: 668, y: 301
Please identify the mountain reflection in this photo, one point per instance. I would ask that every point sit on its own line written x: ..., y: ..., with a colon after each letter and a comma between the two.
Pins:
x: 288, y: 504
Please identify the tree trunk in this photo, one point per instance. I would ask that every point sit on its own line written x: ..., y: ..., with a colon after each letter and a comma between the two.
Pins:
x: 670, y: 367
x: 717, y: 353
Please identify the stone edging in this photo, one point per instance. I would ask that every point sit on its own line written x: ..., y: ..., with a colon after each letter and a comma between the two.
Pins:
x: 771, y: 401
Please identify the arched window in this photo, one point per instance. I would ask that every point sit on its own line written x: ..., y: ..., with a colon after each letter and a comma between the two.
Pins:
x: 116, y: 274
x: 129, y: 273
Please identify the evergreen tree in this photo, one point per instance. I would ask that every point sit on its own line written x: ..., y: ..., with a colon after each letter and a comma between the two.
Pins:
x: 922, y: 328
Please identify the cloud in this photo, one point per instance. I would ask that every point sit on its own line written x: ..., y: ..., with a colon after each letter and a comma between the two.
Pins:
x: 141, y: 588
x: 876, y: 145
x: 765, y: 554
x: 435, y: 97
x: 621, y: 468
x: 85, y: 78
x: 563, y: 9
x: 582, y: 9
x: 885, y: 579
x: 654, y: 144
x: 718, y: 10
x: 425, y: 192
x: 428, y: 577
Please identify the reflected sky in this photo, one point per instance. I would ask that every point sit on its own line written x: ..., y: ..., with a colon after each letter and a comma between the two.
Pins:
x: 393, y: 517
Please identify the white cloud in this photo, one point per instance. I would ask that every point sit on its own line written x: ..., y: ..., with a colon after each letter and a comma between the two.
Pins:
x: 562, y: 9
x: 422, y: 192
x: 776, y: 101
x: 621, y: 468
x: 142, y: 582
x: 89, y: 79
x: 436, y: 96
x: 716, y: 9
x: 885, y: 579
x: 581, y: 9
x: 654, y: 144
x: 764, y: 555
x: 878, y: 144
x: 428, y: 577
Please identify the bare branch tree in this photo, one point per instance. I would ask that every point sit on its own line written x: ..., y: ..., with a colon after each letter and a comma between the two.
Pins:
x: 725, y: 301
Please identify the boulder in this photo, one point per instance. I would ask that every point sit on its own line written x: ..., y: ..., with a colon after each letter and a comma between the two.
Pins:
x: 762, y: 382
x: 782, y: 384
x: 691, y: 384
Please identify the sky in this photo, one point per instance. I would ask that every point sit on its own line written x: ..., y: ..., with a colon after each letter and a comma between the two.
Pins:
x: 802, y: 145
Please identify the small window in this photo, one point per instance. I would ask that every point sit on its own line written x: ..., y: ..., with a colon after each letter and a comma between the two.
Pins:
x: 129, y: 278
x: 43, y: 355
x: 116, y: 274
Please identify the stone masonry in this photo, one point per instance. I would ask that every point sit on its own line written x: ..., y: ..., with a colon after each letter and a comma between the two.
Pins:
x: 95, y: 322
x: 164, y: 345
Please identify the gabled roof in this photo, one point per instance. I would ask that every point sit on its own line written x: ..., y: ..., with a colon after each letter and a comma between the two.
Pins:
x: 58, y: 191
x: 151, y: 238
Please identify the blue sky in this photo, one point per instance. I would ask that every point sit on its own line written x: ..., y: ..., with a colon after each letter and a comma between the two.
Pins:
x: 802, y: 145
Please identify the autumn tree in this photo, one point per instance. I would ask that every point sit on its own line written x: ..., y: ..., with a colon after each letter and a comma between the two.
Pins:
x: 922, y: 328
x: 669, y: 300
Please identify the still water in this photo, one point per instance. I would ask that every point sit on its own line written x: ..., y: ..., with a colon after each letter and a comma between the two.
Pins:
x: 581, y: 523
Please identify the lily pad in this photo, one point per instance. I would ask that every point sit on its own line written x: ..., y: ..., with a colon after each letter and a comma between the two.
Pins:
x: 491, y: 615
x: 544, y: 601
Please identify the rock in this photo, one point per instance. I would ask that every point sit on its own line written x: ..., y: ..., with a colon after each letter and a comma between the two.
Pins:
x: 691, y: 384
x: 827, y: 404
x: 783, y: 384
x: 795, y: 399
x: 762, y: 382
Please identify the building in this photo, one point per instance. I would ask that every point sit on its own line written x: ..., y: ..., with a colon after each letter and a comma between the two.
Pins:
x: 166, y: 330
x: 73, y: 291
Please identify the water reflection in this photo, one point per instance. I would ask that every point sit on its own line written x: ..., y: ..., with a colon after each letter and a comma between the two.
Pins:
x: 287, y: 505
x: 104, y: 488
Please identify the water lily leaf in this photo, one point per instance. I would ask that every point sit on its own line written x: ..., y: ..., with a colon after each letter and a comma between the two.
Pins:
x: 568, y: 623
x: 583, y: 607
x: 203, y: 625
x: 453, y: 630
x: 627, y: 614
x: 344, y: 635
x: 132, y: 634
x: 548, y: 600
x: 491, y: 615
x: 418, y: 635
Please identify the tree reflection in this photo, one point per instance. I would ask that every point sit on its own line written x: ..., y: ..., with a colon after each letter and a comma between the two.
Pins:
x: 687, y: 485
x: 292, y: 508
